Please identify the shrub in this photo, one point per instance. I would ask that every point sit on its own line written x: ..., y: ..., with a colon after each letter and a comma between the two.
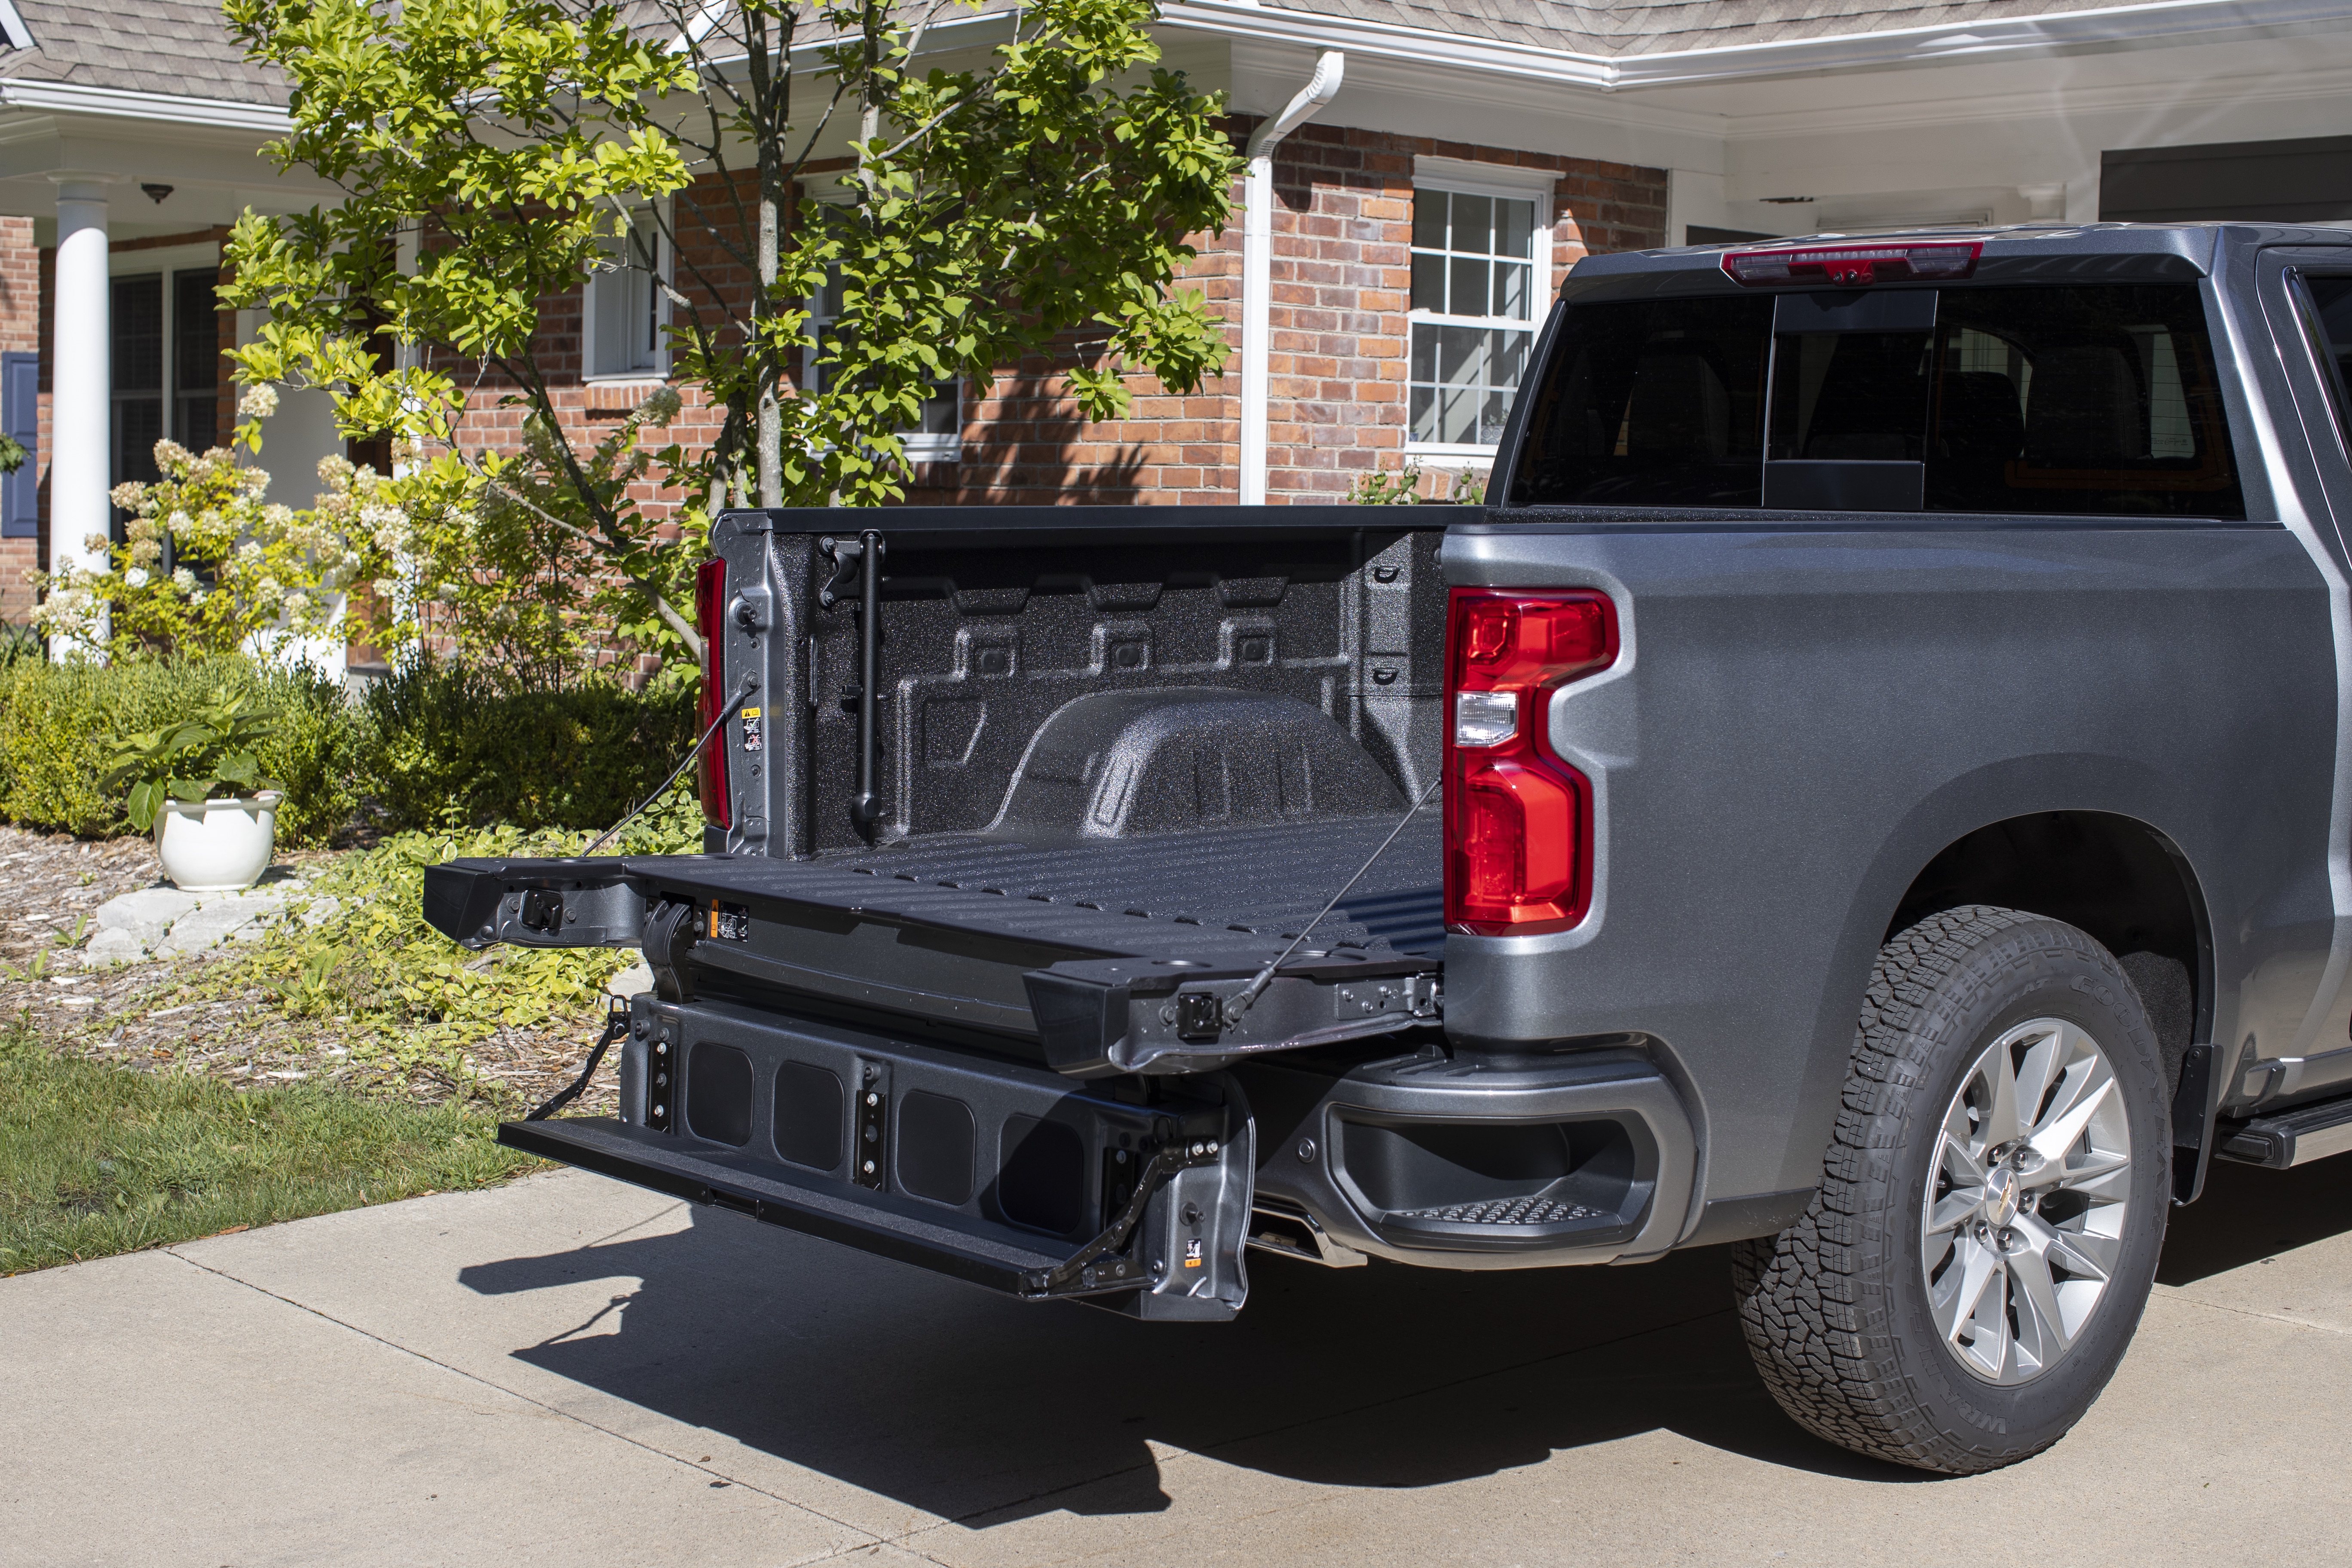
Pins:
x: 404, y: 997
x: 448, y: 749
x: 51, y: 716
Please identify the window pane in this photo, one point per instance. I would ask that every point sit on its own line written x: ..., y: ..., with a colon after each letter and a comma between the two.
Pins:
x: 1429, y: 219
x: 1429, y: 282
x: 626, y: 303
x: 195, y: 330
x: 1474, y: 222
x: 1855, y: 396
x: 1462, y: 355
x: 2087, y: 400
x: 2099, y: 400
x: 1457, y: 420
x: 1652, y: 403
x: 1515, y: 225
x: 1467, y: 296
x: 943, y: 411
x: 1496, y: 411
x: 1458, y: 376
x: 1512, y: 287
x: 137, y: 325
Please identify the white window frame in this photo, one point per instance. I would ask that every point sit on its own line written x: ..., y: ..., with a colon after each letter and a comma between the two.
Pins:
x: 1512, y: 184
x: 920, y: 445
x: 665, y: 270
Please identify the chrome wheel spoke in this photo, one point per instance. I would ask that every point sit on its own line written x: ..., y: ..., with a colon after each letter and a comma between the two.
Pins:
x: 1961, y: 1291
x: 1954, y: 1208
x: 2094, y: 1176
x: 2085, y: 1254
x: 2001, y: 1123
x: 2041, y: 1332
x: 2043, y: 1059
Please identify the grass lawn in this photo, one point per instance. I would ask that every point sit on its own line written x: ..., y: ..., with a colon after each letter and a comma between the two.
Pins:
x: 96, y: 1159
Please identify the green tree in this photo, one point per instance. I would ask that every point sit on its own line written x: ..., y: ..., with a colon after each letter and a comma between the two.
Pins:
x: 494, y: 152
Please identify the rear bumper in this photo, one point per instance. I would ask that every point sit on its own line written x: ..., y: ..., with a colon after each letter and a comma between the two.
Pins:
x: 1480, y: 1162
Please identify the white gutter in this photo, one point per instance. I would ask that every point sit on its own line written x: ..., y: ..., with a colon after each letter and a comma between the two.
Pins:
x: 1985, y: 38
x: 1258, y: 262
x: 68, y: 97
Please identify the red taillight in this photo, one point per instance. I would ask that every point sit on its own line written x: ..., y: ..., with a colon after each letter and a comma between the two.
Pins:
x: 1518, y: 821
x: 710, y: 617
x: 1854, y: 264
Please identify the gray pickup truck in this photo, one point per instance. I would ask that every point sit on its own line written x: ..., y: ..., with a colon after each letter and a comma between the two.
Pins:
x: 1873, y: 788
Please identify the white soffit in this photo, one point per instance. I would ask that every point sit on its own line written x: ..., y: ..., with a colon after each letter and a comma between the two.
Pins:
x: 1983, y: 39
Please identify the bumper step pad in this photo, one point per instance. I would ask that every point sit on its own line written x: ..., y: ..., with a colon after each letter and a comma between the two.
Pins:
x: 1506, y: 1210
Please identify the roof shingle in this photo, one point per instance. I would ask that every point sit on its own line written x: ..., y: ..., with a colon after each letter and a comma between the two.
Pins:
x: 177, y: 47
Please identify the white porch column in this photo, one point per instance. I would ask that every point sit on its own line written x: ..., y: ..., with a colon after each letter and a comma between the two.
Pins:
x: 80, y: 376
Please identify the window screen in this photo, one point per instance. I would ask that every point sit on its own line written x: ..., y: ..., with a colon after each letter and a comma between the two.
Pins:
x: 2097, y: 400
x: 195, y: 358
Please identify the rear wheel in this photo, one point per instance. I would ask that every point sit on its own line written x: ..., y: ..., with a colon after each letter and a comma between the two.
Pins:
x: 1991, y: 1204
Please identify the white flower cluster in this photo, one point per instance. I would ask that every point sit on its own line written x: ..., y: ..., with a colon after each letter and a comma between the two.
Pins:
x: 258, y: 401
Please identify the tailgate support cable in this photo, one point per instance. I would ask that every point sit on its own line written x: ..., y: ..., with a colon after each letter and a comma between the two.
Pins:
x: 751, y: 684
x: 1241, y: 1000
x: 616, y: 1022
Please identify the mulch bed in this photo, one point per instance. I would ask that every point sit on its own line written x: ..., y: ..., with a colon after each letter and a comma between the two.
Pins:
x: 152, y: 1016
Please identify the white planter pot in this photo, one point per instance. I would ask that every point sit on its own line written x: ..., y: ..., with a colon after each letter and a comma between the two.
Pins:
x: 216, y: 845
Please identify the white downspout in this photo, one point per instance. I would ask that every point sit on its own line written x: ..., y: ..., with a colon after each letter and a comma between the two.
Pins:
x: 1258, y: 262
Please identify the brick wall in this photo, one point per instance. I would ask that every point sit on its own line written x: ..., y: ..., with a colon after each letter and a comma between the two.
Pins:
x: 1342, y: 278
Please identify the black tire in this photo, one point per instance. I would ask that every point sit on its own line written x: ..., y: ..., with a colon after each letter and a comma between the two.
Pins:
x: 1836, y: 1306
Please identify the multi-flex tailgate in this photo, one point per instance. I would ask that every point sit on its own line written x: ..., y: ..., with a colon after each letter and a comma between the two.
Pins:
x: 1008, y: 1176
x: 1103, y: 958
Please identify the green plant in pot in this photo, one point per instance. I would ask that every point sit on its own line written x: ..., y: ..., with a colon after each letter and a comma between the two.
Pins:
x: 198, y: 784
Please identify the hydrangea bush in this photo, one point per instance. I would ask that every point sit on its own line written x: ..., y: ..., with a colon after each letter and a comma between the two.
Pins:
x: 207, y: 566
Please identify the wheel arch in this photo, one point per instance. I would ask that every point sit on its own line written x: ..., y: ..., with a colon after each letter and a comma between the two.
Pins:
x: 1944, y: 852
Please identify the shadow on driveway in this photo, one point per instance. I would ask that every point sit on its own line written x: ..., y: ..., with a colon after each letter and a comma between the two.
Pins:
x: 964, y: 1405
x: 953, y: 1400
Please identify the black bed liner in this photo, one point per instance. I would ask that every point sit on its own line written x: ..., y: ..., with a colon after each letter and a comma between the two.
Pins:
x: 1257, y: 882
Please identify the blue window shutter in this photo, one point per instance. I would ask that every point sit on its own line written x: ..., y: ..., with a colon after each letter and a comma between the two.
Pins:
x: 20, y: 416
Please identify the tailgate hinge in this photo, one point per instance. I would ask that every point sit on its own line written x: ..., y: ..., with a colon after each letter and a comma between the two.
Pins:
x: 1103, y: 1263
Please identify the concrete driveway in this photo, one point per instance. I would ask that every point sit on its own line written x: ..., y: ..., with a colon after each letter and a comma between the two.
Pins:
x: 569, y: 1371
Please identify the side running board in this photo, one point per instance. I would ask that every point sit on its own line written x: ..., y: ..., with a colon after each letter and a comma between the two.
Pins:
x: 2289, y: 1138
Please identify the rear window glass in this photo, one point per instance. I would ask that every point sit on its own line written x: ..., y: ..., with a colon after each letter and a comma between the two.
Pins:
x: 2097, y: 400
